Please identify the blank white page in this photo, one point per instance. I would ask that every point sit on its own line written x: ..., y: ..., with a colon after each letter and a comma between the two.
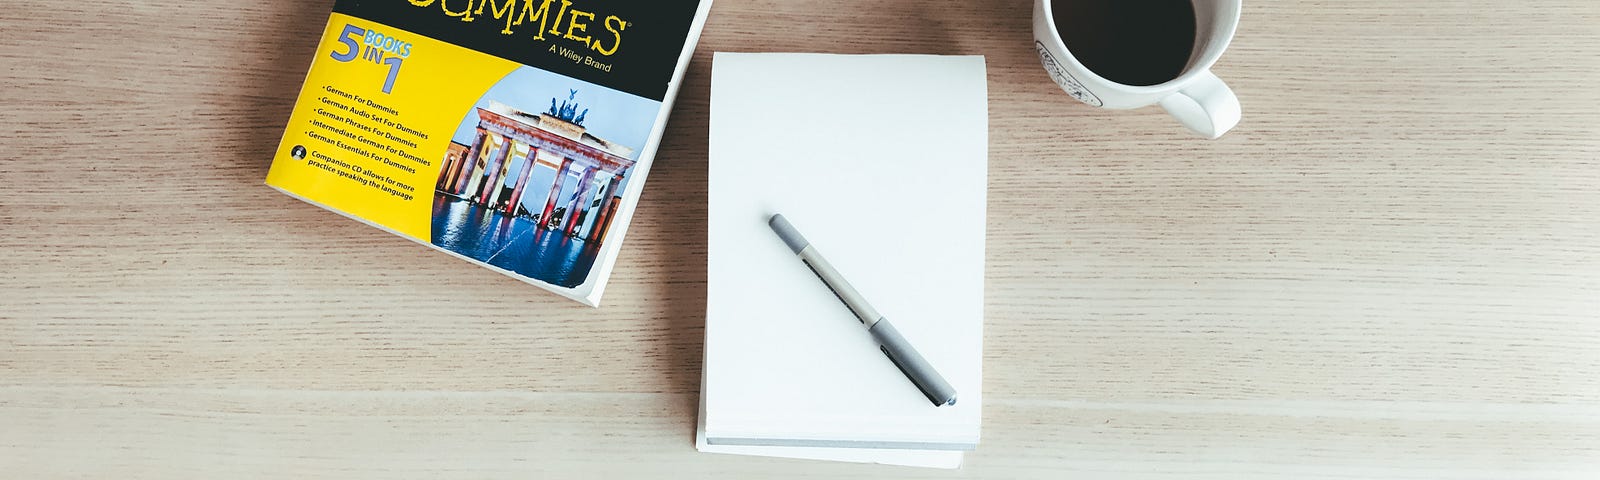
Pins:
x: 881, y: 162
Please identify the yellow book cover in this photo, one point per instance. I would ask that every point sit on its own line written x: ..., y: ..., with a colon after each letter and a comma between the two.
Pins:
x: 515, y: 134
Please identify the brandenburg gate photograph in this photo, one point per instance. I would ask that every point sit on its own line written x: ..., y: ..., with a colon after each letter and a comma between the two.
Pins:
x: 532, y: 193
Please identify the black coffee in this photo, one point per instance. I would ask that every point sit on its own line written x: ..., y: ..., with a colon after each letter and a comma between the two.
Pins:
x: 1132, y: 42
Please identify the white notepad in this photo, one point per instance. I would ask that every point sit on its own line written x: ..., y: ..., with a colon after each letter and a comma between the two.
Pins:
x: 881, y: 162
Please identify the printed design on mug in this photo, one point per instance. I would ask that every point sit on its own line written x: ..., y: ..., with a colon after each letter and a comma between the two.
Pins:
x: 1065, y: 79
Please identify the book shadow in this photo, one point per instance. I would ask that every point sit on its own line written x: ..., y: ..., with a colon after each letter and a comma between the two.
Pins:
x: 288, y: 36
x: 677, y: 193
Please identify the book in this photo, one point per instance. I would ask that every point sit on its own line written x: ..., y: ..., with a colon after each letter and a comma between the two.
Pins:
x: 881, y: 161
x: 515, y: 134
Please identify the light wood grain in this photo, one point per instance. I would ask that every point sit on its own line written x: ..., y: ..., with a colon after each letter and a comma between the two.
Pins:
x: 1390, y: 269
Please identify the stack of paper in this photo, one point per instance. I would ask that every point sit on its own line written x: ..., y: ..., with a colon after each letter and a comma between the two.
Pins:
x: 881, y: 162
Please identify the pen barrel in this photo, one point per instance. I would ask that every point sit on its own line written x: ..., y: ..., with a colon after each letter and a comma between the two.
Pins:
x: 858, y: 304
x: 912, y: 364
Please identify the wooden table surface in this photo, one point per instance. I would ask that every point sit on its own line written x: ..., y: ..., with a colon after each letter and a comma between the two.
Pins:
x: 1391, y: 268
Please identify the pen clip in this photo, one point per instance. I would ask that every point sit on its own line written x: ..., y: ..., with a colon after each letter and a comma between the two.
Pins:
x: 908, y: 375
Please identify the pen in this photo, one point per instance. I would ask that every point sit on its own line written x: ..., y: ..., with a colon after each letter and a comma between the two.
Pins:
x: 889, y: 340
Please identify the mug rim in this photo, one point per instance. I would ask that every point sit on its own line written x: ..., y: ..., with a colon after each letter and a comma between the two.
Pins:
x: 1199, y: 68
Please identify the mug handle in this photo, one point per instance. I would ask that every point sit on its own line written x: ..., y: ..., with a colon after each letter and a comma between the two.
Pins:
x: 1206, y: 106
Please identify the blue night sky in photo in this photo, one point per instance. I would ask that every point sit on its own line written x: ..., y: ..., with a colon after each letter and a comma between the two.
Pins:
x: 619, y: 117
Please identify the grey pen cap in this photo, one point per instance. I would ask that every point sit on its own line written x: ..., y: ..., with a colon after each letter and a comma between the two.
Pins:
x: 790, y: 236
x: 912, y: 364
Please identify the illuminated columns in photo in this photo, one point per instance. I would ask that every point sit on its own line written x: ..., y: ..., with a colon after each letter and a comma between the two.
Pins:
x: 522, y: 180
x: 597, y: 233
x: 444, y: 171
x: 580, y: 200
x: 492, y: 173
x: 497, y: 190
x: 555, y: 193
x: 467, y: 164
x: 480, y: 167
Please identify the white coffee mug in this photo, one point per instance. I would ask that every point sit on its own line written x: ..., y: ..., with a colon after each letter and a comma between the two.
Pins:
x: 1196, y: 97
